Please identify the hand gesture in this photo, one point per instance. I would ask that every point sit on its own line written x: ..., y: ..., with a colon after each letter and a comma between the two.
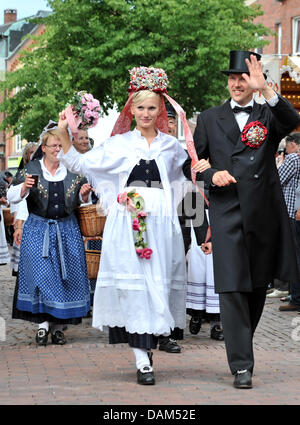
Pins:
x: 201, y: 166
x: 27, y: 185
x: 223, y: 178
x: 206, y: 248
x: 18, y: 236
x: 62, y: 122
x: 84, y: 191
x: 256, y: 80
x: 3, y: 201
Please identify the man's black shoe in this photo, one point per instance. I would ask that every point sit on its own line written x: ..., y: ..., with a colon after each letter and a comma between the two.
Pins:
x: 169, y: 345
x: 195, y: 324
x: 217, y: 333
x: 243, y: 379
x: 145, y: 376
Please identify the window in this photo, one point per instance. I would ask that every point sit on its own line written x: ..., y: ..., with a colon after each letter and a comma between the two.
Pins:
x: 18, y: 143
x: 278, y: 39
x: 296, y: 36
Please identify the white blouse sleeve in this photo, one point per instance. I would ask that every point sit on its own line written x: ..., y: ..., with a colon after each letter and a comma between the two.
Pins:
x: 14, y: 194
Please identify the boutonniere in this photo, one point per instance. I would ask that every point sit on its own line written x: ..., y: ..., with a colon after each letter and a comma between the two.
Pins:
x: 135, y: 204
x: 254, y: 134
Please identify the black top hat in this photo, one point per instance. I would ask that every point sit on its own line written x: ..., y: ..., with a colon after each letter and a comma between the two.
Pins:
x: 170, y: 111
x: 237, y: 64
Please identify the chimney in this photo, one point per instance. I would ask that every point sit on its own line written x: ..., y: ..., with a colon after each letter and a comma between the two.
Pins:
x: 10, y: 15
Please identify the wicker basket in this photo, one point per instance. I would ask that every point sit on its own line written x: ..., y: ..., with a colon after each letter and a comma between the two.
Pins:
x: 8, y: 218
x: 92, y: 261
x: 90, y: 222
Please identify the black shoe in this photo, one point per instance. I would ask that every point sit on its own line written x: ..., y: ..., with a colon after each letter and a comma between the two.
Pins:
x: 58, y: 338
x: 41, y: 337
x: 243, y: 379
x: 217, y: 333
x: 169, y: 345
x: 195, y: 324
x: 145, y: 376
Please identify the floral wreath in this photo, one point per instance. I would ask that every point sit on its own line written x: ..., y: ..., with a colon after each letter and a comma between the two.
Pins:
x: 135, y: 204
x: 254, y: 134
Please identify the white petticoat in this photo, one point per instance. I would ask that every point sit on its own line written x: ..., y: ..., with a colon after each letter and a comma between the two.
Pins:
x: 200, y: 282
x: 144, y: 296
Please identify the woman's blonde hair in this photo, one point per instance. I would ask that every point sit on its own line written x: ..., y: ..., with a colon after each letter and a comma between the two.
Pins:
x: 47, y: 135
x: 142, y: 95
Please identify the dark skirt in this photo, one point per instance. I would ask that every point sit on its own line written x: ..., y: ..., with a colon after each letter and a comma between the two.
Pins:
x: 147, y: 341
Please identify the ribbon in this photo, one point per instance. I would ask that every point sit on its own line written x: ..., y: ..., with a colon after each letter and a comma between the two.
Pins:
x: 60, y: 248
x: 191, y: 150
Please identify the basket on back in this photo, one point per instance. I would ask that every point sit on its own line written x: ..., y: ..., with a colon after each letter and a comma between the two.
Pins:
x: 92, y: 262
x: 8, y: 217
x: 90, y: 222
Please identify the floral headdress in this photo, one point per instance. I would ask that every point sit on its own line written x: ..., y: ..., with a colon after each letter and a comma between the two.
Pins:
x: 156, y: 80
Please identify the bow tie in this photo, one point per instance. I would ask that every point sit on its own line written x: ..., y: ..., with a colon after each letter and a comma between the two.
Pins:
x: 247, y: 109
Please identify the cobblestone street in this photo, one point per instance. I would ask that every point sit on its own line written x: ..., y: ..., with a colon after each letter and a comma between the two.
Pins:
x: 87, y: 370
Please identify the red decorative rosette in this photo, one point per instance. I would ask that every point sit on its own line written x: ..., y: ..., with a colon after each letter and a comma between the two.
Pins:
x: 254, y: 134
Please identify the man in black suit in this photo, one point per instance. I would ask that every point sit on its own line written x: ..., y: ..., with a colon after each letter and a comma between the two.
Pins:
x: 251, y: 235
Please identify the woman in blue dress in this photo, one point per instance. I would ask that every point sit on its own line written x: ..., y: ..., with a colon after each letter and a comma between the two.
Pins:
x: 52, y: 287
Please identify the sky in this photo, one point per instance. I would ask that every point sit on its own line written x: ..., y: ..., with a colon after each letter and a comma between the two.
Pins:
x: 24, y: 8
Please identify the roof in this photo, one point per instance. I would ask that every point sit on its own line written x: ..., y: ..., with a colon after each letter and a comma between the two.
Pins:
x: 15, y: 31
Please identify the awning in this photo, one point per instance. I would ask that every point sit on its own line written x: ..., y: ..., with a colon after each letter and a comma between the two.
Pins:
x: 291, y: 65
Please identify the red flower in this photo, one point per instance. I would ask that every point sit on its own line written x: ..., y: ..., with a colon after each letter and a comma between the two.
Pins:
x: 254, y: 134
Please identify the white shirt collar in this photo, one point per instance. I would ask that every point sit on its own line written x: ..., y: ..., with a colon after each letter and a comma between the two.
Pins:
x: 233, y: 103
x: 60, y: 173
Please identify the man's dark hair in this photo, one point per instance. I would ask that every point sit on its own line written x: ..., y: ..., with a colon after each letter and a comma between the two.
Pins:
x: 293, y: 137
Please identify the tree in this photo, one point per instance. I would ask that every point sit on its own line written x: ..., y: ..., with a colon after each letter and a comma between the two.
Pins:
x: 91, y: 44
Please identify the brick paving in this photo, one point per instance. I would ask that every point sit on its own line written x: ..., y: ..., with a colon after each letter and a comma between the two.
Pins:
x: 89, y: 371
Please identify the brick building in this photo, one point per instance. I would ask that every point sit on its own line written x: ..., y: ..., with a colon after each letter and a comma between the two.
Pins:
x: 11, y: 46
x: 283, y: 18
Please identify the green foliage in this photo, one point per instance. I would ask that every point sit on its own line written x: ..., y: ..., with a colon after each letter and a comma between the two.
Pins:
x: 91, y: 44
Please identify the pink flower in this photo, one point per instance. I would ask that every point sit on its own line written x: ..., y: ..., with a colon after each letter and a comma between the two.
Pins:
x: 88, y: 114
x: 144, y: 253
x: 88, y: 97
x: 142, y: 214
x: 147, y: 253
x: 122, y: 198
x: 130, y: 205
x: 136, y: 224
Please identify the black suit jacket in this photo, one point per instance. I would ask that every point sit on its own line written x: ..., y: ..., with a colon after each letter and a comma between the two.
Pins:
x: 251, y: 236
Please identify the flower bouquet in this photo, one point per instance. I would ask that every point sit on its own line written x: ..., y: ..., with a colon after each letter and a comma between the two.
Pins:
x: 135, y: 204
x: 82, y: 112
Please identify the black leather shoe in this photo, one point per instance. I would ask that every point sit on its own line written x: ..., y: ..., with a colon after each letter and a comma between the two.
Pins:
x: 169, y: 345
x: 41, y: 337
x: 145, y: 376
x: 217, y: 333
x: 58, y: 338
x: 243, y: 379
x: 195, y: 325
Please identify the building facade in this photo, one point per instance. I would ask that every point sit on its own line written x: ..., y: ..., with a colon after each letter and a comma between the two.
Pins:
x: 12, y: 43
x: 283, y: 18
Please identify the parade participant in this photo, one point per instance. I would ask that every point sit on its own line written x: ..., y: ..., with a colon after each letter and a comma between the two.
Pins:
x: 141, y: 286
x: 251, y: 235
x: 52, y: 287
x: 202, y: 302
x: 172, y: 120
x: 82, y: 142
x: 19, y: 210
